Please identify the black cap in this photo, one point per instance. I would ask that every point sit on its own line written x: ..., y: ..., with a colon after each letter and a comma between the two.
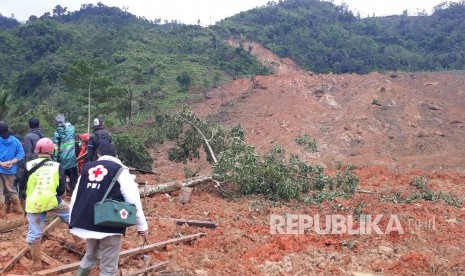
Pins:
x: 107, y: 149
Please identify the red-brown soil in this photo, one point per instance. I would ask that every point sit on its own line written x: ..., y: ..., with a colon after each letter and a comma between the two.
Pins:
x: 393, y: 127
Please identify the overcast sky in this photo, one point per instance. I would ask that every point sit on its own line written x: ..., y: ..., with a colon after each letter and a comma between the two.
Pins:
x: 208, y: 11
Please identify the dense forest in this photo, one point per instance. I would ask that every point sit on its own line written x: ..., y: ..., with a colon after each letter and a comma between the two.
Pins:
x: 324, y: 38
x: 130, y: 66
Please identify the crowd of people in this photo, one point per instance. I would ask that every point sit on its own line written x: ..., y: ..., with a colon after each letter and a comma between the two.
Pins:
x: 42, y: 170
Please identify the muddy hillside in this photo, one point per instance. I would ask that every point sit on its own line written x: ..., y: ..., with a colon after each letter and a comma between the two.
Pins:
x: 391, y: 127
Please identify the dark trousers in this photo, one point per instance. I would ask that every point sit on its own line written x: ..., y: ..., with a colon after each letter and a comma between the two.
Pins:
x: 73, y: 177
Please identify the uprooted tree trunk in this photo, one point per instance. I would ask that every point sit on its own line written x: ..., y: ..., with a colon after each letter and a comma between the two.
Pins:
x: 150, y: 190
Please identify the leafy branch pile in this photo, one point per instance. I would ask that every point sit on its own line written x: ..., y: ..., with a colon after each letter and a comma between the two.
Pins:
x: 234, y: 161
x: 423, y: 193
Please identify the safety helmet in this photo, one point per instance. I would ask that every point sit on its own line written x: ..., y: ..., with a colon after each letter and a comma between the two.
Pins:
x: 45, y: 146
x: 85, y: 137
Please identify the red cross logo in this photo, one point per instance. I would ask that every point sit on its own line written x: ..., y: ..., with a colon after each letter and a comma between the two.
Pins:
x: 97, y: 173
x: 123, y: 213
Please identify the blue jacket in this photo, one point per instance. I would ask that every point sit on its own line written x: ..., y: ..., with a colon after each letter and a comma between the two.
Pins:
x: 9, y: 149
x: 64, y: 139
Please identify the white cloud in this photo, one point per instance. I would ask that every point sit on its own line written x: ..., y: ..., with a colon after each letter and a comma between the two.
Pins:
x: 189, y: 11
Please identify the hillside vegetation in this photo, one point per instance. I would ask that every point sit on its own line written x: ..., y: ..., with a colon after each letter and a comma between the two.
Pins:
x: 133, y: 67
x: 130, y: 65
x: 323, y: 38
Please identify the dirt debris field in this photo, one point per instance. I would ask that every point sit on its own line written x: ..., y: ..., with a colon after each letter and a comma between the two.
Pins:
x: 392, y: 127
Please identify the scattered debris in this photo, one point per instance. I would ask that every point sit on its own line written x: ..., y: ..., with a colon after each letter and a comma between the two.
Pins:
x: 197, y: 223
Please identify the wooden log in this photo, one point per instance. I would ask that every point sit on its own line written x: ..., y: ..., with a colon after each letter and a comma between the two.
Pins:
x: 50, y: 226
x: 141, y: 171
x: 10, y: 224
x: 150, y: 190
x: 23, y: 252
x: 155, y: 267
x: 130, y: 252
x: 197, y: 223
x: 15, y: 259
x: 364, y: 191
x: 50, y: 261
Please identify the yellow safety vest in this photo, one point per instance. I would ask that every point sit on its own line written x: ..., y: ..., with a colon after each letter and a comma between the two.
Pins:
x: 41, y: 188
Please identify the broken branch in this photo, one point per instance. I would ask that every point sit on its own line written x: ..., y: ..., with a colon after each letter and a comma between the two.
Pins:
x: 197, y: 223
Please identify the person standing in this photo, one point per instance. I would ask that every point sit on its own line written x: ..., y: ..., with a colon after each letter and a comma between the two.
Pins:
x: 98, y: 137
x: 43, y: 182
x: 66, y: 155
x: 103, y: 243
x: 29, y: 142
x: 11, y: 152
x: 82, y: 151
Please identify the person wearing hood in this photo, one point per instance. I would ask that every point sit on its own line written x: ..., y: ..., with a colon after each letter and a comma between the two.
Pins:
x: 66, y: 154
x: 11, y: 152
x: 30, y: 140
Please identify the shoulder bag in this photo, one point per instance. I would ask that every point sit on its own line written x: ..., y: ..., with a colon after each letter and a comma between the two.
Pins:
x: 109, y: 212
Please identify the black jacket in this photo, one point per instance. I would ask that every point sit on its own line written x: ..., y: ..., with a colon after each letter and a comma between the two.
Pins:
x: 30, y: 141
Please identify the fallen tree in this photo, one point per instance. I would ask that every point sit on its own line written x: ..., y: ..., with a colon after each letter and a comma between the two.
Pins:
x: 279, y: 175
x: 150, y: 190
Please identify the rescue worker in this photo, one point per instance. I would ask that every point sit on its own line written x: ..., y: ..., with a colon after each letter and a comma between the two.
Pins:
x: 98, y: 137
x: 82, y: 152
x: 44, y: 183
x: 103, y: 243
x: 66, y: 154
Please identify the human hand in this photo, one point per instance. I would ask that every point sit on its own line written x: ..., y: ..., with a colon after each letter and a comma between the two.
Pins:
x: 6, y: 165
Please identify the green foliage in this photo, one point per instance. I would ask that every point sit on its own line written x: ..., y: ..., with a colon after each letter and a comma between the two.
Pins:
x: 345, y: 181
x: 4, y: 95
x: 307, y: 143
x: 274, y: 174
x: 323, y: 37
x: 132, y: 152
x: 185, y: 80
x: 349, y: 244
x: 421, y: 183
x: 129, y: 64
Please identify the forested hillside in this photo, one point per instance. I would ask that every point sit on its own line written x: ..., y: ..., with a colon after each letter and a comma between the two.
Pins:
x: 130, y: 65
x: 133, y: 66
x: 322, y: 37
